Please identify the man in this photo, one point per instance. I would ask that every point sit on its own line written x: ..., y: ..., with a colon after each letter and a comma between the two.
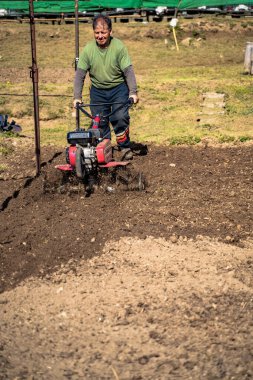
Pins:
x: 112, y: 78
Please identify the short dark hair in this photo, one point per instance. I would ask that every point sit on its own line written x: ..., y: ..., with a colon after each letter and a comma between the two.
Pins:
x: 104, y: 19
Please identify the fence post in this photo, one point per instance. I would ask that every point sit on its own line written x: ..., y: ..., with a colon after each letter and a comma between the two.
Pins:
x: 35, y: 79
x: 248, y: 58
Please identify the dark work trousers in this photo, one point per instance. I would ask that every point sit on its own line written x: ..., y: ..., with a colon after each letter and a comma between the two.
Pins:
x: 119, y: 119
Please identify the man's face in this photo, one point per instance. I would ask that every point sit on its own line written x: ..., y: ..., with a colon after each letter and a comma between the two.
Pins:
x: 102, y: 34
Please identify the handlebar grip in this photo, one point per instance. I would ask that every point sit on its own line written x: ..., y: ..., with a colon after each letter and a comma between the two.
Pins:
x: 78, y: 105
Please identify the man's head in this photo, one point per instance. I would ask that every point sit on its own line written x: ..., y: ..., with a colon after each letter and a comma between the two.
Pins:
x: 102, y: 27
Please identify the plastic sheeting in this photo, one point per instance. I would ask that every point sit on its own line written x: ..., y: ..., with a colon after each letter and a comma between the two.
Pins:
x: 68, y: 6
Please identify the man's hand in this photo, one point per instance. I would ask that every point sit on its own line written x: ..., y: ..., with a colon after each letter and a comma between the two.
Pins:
x: 135, y: 98
x: 74, y: 106
x: 76, y: 101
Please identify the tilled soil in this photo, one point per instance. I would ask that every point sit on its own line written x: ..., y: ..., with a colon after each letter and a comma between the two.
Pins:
x: 153, y: 284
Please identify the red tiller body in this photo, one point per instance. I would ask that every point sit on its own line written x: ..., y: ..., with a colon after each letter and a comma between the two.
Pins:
x: 104, y: 151
x: 72, y: 155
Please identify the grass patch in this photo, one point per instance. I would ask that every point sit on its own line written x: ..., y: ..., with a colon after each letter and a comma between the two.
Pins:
x: 244, y: 138
x: 5, y: 149
x: 3, y: 168
x: 184, y: 140
x: 170, y: 83
x: 226, y: 139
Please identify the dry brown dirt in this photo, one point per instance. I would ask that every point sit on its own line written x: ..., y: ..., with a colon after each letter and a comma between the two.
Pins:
x: 126, y: 284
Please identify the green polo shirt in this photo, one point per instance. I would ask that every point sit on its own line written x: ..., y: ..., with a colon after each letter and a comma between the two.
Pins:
x: 106, y: 65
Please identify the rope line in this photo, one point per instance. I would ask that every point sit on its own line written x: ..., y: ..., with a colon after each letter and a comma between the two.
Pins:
x: 56, y: 95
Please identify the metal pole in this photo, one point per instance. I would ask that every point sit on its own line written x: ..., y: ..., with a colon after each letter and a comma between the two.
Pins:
x: 35, y: 80
x: 77, y: 54
x: 76, y: 34
x: 177, y: 8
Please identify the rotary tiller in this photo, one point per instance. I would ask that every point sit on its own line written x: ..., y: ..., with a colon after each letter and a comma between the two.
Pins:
x: 89, y: 151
